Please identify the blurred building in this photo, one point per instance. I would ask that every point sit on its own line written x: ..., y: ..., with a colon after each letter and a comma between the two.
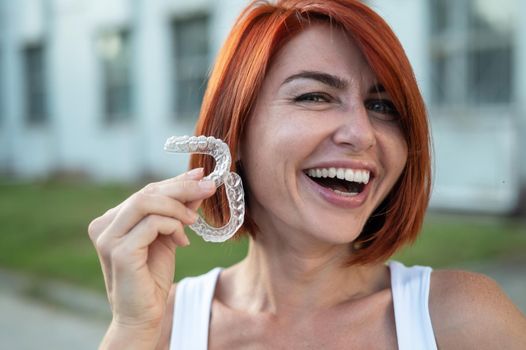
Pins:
x: 95, y: 87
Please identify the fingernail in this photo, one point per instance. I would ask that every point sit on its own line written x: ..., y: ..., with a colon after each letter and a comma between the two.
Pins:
x: 195, y: 172
x: 207, y: 185
x: 186, y: 242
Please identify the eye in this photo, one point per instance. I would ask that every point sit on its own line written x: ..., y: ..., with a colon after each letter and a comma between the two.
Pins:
x: 313, y: 97
x: 385, y: 108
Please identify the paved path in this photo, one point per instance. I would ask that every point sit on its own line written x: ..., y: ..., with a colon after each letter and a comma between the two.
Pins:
x: 65, y: 317
x: 62, y: 317
x: 27, y: 324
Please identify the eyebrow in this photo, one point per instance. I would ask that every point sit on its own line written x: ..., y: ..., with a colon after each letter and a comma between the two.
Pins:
x: 377, y: 88
x: 330, y: 80
x: 327, y: 79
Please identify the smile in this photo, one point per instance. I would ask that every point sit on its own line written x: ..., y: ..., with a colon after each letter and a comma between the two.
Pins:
x: 343, y: 181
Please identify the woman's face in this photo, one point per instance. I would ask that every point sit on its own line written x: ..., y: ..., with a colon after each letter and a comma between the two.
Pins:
x: 323, y: 147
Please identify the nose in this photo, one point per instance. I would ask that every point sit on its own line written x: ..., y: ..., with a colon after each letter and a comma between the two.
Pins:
x: 355, y: 131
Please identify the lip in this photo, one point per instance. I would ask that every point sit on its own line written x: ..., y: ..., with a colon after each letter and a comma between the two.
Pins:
x: 335, y: 199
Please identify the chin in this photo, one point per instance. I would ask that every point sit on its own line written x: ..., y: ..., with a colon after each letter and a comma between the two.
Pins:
x: 344, y: 233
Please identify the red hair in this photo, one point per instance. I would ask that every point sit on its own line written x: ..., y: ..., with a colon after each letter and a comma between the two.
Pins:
x: 260, y: 31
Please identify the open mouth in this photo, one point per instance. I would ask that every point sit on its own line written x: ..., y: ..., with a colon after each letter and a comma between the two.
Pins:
x: 345, y: 182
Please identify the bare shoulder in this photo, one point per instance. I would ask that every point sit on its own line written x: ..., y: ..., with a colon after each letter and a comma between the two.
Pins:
x: 470, y: 310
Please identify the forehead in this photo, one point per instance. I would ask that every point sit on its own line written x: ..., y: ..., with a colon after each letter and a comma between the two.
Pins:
x: 323, y: 48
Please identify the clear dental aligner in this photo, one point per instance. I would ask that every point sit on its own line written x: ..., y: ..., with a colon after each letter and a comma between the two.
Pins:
x: 232, y: 181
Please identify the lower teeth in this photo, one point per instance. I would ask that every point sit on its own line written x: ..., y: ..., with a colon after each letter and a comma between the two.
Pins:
x: 346, y: 194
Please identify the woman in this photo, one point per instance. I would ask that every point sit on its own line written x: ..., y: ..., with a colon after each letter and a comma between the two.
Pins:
x: 323, y: 116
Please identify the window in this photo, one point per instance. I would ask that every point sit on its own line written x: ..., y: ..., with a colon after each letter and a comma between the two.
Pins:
x: 35, y: 84
x: 115, y: 53
x: 191, y: 63
x: 472, y: 51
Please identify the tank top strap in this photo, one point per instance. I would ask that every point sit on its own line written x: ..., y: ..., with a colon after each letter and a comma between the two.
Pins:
x: 192, y: 307
x: 410, y: 288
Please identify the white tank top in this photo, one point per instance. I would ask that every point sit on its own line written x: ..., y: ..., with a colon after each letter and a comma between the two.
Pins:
x: 410, y: 288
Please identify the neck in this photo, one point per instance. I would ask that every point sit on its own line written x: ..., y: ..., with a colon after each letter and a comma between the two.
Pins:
x: 284, y: 278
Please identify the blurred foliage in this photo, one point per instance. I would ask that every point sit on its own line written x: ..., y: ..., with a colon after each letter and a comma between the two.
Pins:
x: 43, y: 231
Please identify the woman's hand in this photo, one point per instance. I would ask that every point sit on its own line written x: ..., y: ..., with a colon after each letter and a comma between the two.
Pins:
x: 136, y: 243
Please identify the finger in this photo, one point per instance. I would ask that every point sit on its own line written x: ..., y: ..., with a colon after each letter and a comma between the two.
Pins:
x: 158, y: 225
x: 184, y: 190
x: 107, y: 275
x: 132, y: 249
x: 194, y: 205
x: 98, y: 225
x: 142, y: 235
x: 104, y: 250
x: 142, y: 205
x: 194, y: 174
x: 161, y: 260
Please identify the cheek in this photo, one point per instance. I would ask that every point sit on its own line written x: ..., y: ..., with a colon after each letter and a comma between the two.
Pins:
x: 258, y: 163
x: 275, y: 145
x: 267, y: 155
x: 398, y: 154
x: 394, y: 150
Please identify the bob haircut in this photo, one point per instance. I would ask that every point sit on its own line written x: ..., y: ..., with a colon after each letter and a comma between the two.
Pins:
x: 235, y: 81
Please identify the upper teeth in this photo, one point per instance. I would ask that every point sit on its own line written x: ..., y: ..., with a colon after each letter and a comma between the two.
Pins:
x: 361, y: 176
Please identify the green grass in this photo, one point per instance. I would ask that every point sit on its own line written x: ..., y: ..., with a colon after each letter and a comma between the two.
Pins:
x: 43, y: 231
x: 449, y: 240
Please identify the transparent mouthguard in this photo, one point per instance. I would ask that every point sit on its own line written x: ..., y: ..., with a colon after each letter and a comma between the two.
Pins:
x: 221, y: 176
